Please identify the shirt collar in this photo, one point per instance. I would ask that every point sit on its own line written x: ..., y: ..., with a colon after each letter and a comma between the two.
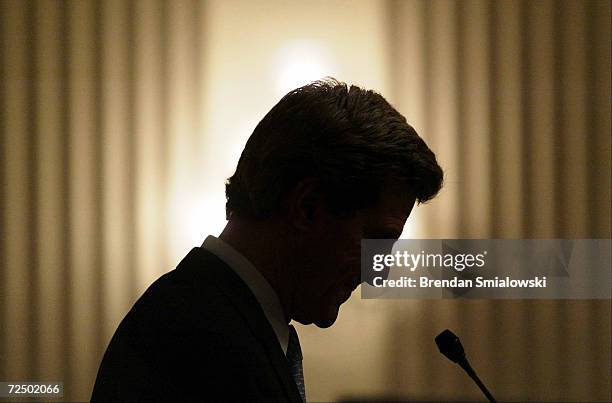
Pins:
x: 259, y: 286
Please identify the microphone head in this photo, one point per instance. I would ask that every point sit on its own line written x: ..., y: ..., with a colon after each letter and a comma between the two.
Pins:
x: 450, y: 346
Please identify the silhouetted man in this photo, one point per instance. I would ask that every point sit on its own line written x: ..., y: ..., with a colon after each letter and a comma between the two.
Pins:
x: 327, y: 166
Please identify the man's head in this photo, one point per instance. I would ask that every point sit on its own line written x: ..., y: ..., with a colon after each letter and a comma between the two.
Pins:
x: 333, y: 164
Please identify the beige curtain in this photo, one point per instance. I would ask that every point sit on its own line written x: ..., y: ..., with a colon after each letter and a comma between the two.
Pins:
x: 102, y: 127
x: 98, y: 128
x: 515, y: 98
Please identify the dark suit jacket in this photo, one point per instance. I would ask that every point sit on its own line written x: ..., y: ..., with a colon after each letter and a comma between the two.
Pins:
x: 196, y: 334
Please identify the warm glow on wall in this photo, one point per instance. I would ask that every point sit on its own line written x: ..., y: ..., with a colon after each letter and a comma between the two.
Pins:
x: 204, y: 216
x: 301, y: 62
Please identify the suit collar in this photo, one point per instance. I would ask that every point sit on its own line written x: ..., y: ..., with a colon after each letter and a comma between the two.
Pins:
x: 262, y: 290
x: 206, y: 267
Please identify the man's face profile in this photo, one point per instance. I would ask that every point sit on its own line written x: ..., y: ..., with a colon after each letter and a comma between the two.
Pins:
x: 329, y: 165
x: 327, y: 259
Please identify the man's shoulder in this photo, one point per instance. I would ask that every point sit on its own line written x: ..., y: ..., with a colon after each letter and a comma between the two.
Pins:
x: 191, y: 296
x: 184, y: 323
x: 196, y: 325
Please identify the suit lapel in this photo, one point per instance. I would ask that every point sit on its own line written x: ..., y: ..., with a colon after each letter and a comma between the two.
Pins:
x: 245, y: 302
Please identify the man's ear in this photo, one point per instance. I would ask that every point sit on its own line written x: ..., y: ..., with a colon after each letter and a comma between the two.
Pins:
x: 304, y: 203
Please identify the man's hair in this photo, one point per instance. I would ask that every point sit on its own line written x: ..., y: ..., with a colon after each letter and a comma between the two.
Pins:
x: 348, y: 139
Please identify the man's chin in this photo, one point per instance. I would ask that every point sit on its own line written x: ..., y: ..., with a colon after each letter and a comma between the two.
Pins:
x: 326, y: 322
x: 322, y: 322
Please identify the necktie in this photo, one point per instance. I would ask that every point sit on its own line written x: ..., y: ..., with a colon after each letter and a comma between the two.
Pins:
x: 294, y: 357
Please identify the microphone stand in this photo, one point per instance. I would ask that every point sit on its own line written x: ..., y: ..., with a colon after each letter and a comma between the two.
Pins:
x: 470, y: 371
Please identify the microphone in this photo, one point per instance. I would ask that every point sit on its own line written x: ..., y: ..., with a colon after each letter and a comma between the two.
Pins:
x: 451, y: 347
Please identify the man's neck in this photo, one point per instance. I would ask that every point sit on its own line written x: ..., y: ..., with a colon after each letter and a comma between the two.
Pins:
x: 263, y: 244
